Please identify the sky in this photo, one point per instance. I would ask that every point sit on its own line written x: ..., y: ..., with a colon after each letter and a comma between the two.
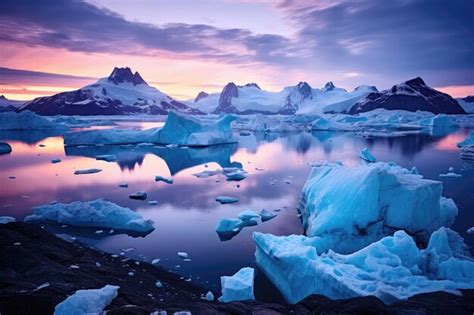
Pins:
x: 185, y: 46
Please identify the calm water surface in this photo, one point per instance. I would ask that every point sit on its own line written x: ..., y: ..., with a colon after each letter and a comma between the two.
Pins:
x: 187, y: 213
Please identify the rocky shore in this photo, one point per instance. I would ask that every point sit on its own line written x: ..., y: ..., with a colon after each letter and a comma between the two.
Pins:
x: 39, y: 270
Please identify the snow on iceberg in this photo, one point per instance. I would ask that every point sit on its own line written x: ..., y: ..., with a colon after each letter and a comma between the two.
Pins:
x: 179, y: 129
x: 92, y: 214
x: 26, y: 121
x: 347, y: 208
x: 91, y: 301
x: 5, y: 148
x: 367, y: 156
x: 392, y: 268
x: 6, y: 219
x: 238, y: 287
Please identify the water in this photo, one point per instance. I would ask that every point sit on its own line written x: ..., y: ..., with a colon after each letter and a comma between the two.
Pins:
x: 187, y: 213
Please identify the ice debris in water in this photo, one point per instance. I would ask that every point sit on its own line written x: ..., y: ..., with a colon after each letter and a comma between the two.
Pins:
x: 238, y: 287
x: 91, y: 301
x: 164, y: 179
x: 158, y: 284
x: 266, y: 215
x: 450, y: 175
x: 153, y: 202
x: 106, y: 157
x: 391, y: 269
x: 183, y: 255
x: 226, y: 199
x: 363, y: 204
x: 123, y: 185
x: 155, y: 261
x: 248, y: 215
x: 96, y: 213
x: 6, y: 219
x: 87, y: 171
x: 139, y: 195
x: 367, y: 156
x: 54, y: 161
x: 42, y: 286
x: 209, y: 296
x: 470, y: 230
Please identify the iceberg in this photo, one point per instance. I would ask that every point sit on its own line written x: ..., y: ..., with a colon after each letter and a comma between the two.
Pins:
x: 367, y: 156
x: 179, y: 129
x: 91, y: 301
x: 238, y: 287
x: 6, y: 219
x: 98, y: 213
x: 228, y: 227
x: 391, y: 269
x: 27, y: 121
x: 347, y: 208
x: 226, y: 199
x: 5, y: 148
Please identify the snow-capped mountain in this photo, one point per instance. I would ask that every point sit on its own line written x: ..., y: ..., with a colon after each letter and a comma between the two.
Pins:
x: 9, y: 105
x: 299, y: 99
x: 412, y: 95
x: 467, y: 103
x: 122, y: 93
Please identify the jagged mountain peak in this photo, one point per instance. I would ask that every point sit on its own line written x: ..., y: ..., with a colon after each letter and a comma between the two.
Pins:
x: 2, y: 97
x: 329, y: 86
x: 253, y: 84
x: 415, y: 82
x: 201, y: 95
x: 121, y: 75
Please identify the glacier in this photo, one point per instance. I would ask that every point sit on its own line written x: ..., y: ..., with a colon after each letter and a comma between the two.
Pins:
x: 27, y: 121
x: 347, y: 208
x: 391, y: 269
x: 92, y: 301
x: 179, y: 129
x: 238, y: 287
x: 97, y: 213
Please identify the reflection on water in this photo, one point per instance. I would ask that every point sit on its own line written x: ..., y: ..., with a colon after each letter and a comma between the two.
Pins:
x: 187, y: 213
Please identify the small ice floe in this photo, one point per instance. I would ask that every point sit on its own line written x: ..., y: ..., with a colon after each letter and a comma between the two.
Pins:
x: 248, y: 215
x: 226, y: 199
x: 87, y: 171
x: 470, y: 230
x: 92, y: 301
x: 17, y: 244
x: 131, y: 273
x: 238, y: 287
x: 228, y: 227
x: 209, y: 296
x: 172, y: 145
x: 97, y: 213
x: 41, y: 286
x: 123, y: 185
x: 367, y: 156
x: 98, y: 264
x: 139, y: 195
x: 450, y: 175
x: 163, y: 179
x: 183, y: 255
x: 158, y: 284
x: 5, y: 148
x: 74, y: 267
x: 153, y: 202
x: 234, y: 173
x: 206, y: 174
x: 106, y: 157
x: 155, y: 261
x: 54, y: 161
x: 266, y: 215
x: 451, y: 169
x: 6, y: 219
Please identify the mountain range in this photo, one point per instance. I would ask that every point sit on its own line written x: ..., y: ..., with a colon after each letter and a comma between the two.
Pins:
x: 127, y: 93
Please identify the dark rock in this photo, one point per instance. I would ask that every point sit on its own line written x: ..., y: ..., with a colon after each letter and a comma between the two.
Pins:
x: 225, y: 99
x: 468, y: 99
x: 253, y: 84
x: 201, y: 95
x: 412, y: 95
x: 5, y: 148
x: 329, y: 86
x: 121, y: 75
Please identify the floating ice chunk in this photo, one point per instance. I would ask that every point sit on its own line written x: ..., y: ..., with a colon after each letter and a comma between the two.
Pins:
x: 239, y: 287
x: 123, y: 185
x: 96, y: 213
x: 248, y: 215
x: 163, y: 179
x: 42, y: 286
x: 54, y: 161
x: 5, y: 148
x: 153, y: 202
x: 367, y: 156
x: 155, y: 261
x: 226, y: 199
x: 183, y: 255
x: 266, y: 215
x: 74, y: 267
x: 17, y: 244
x: 362, y: 204
x: 209, y: 296
x: 451, y: 169
x: 139, y: 195
x: 131, y: 274
x: 227, y: 228
x: 87, y: 171
x: 206, y: 174
x: 91, y: 301
x: 106, y: 157
x: 392, y: 268
x: 6, y: 219
x: 237, y: 175
x: 468, y: 141
x: 450, y: 175
x: 158, y: 284
x: 470, y: 230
